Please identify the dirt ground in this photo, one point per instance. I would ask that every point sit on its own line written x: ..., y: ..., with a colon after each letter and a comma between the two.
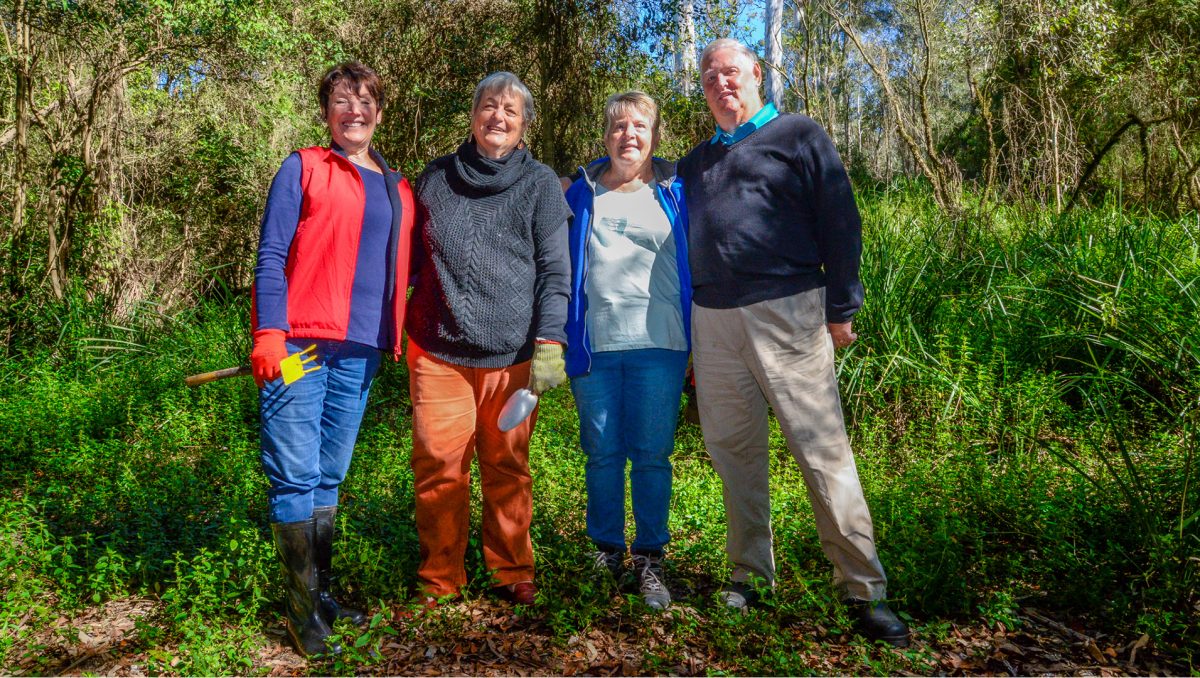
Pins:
x: 495, y: 641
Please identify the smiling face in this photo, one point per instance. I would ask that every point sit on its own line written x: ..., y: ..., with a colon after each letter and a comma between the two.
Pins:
x: 731, y: 82
x: 498, y: 122
x: 352, y: 116
x: 630, y: 138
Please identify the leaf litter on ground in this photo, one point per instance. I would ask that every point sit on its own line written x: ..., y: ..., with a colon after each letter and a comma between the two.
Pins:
x: 485, y: 637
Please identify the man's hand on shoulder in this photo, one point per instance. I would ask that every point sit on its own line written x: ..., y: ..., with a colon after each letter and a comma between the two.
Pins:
x: 842, y: 333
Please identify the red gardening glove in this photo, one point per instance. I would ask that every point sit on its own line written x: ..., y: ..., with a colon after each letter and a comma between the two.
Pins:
x: 269, y: 349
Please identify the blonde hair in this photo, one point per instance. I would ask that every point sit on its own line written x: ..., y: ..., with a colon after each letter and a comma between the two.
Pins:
x: 637, y: 100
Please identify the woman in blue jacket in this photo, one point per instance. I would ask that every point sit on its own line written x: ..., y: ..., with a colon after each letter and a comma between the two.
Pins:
x: 628, y: 336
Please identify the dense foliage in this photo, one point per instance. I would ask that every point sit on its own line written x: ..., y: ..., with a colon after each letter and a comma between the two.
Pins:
x: 1023, y: 406
x: 138, y: 137
x: 1023, y: 401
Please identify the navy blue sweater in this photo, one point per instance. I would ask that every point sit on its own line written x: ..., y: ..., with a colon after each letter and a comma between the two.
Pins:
x: 771, y: 216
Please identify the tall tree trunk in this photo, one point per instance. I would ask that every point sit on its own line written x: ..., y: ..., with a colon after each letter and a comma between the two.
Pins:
x: 685, y: 52
x: 985, y: 111
x: 774, y: 42
x: 22, y: 62
x: 1186, y: 184
x: 805, y: 70
x: 948, y: 175
x: 844, y: 89
x: 1056, y: 171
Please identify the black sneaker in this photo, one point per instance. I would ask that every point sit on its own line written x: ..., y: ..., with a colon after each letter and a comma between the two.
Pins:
x: 652, y: 581
x: 612, y: 562
x: 876, y: 621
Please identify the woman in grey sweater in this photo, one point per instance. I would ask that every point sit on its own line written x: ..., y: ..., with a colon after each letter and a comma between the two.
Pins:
x: 486, y: 319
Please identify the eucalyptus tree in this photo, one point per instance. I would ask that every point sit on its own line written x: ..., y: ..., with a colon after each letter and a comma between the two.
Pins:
x: 773, y: 40
x: 904, y: 45
x: 685, y: 50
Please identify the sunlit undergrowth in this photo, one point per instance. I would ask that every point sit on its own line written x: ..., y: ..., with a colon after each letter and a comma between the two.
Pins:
x: 1023, y: 404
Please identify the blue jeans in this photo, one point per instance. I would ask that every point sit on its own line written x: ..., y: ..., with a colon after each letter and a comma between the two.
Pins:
x: 309, y: 428
x: 628, y: 405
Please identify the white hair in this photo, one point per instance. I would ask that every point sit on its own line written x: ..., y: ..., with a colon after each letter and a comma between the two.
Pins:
x: 504, y: 82
x: 727, y: 43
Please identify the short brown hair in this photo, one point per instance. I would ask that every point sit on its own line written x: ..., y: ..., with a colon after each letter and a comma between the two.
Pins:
x: 357, y: 75
x: 634, y: 99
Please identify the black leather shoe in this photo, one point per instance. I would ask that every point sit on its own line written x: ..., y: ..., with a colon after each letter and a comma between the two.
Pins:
x: 876, y: 621
x: 309, y: 631
x: 331, y: 609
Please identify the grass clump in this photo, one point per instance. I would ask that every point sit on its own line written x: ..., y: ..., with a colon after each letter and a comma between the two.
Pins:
x: 1022, y: 402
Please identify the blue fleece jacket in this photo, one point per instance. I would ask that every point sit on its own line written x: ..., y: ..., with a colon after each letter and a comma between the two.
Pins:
x: 581, y: 198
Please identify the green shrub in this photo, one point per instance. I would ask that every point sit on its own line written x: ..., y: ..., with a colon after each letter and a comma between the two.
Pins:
x: 1022, y: 404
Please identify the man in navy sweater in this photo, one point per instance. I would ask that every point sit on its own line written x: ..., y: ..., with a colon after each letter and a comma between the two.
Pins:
x: 774, y: 251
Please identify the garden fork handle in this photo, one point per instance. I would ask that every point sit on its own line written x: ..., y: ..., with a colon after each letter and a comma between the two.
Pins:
x: 198, y: 379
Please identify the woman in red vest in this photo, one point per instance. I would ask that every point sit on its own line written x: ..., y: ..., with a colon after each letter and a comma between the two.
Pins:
x: 332, y: 272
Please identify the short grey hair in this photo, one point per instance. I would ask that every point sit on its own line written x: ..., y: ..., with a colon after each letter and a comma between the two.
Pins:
x: 503, y: 82
x: 727, y: 43
x: 622, y: 102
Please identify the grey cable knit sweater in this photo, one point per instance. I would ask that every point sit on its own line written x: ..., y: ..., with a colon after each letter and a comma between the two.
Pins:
x: 490, y: 255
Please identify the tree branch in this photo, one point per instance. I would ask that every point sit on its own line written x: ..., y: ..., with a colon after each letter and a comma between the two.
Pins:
x: 1099, y: 155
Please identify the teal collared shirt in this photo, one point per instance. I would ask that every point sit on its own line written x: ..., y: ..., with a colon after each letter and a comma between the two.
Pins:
x: 763, y: 116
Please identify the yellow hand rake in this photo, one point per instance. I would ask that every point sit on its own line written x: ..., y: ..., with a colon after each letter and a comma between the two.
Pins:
x: 292, y: 367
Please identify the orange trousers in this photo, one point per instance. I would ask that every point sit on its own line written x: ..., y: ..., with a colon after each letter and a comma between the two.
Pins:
x: 454, y: 417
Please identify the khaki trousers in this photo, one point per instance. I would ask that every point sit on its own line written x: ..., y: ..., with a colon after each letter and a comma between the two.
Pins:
x: 779, y: 352
x: 454, y: 417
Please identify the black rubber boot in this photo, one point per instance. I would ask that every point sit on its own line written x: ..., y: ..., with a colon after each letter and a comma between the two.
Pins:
x: 875, y: 620
x: 294, y: 542
x: 331, y: 610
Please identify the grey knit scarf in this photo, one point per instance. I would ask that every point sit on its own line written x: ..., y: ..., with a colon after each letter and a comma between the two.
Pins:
x: 486, y: 175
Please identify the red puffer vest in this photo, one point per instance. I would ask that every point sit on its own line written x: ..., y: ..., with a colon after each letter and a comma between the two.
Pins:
x: 324, y: 252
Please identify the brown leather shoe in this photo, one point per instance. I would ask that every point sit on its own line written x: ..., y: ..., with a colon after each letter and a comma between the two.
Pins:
x: 521, y: 593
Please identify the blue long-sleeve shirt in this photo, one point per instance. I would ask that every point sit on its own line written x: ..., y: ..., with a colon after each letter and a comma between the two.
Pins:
x: 370, y: 313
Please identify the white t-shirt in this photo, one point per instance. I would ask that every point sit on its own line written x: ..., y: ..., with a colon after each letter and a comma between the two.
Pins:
x: 633, y: 278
